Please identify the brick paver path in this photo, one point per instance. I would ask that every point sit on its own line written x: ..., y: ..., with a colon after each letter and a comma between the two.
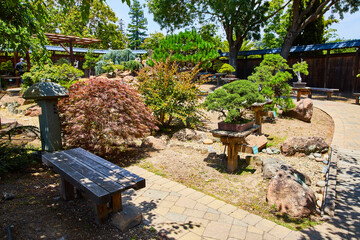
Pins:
x: 184, y: 213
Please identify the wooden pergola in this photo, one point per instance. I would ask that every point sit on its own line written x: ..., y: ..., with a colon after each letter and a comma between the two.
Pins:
x: 61, y: 39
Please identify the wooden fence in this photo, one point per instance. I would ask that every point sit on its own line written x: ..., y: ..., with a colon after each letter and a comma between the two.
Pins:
x: 330, y: 70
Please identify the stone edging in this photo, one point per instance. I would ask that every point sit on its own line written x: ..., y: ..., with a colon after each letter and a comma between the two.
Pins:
x: 328, y: 207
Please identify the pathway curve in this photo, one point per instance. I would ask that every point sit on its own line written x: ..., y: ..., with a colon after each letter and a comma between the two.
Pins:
x: 346, y: 142
x: 184, y: 213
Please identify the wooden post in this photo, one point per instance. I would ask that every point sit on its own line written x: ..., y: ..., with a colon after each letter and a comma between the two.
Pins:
x: 102, y: 213
x: 116, y: 203
x: 355, y: 71
x: 72, y: 60
x: 258, y: 117
x: 232, y: 162
x: 67, y: 190
x: 28, y: 63
x: 326, y: 68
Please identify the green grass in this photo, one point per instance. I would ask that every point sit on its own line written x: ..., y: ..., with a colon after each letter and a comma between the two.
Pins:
x: 150, y: 167
x: 275, y: 141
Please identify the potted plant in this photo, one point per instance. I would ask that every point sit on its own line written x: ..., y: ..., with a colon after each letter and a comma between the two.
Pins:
x: 298, y: 68
x: 228, y: 69
x: 231, y: 101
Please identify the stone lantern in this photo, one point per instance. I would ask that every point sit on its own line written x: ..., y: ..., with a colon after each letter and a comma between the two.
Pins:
x: 46, y: 94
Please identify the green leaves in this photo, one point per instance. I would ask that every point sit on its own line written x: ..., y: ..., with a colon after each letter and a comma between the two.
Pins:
x: 170, y: 94
x: 186, y: 48
x: 272, y: 77
x: 232, y: 99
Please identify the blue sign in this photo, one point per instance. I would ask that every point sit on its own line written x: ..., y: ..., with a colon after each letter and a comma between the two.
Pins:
x: 274, y: 112
x: 255, y: 150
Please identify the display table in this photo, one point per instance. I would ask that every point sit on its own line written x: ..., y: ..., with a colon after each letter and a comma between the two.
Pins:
x: 233, y: 140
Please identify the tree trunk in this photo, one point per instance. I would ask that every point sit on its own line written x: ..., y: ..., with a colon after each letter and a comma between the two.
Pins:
x: 233, y: 53
x: 288, y: 42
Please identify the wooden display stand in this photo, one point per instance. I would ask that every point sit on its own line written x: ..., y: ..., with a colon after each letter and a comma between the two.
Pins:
x: 233, y: 140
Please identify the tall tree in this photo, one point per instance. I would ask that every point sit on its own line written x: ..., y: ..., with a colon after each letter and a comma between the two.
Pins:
x: 101, y: 24
x: 310, y: 13
x: 138, y: 26
x: 20, y: 20
x: 241, y: 19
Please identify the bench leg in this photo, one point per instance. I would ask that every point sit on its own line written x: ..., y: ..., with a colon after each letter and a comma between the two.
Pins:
x: 67, y: 190
x: 357, y: 99
x: 298, y: 95
x: 116, y: 203
x: 329, y: 94
x: 102, y: 213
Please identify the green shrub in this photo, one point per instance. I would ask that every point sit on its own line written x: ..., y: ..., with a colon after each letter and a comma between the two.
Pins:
x: 272, y: 76
x: 170, y: 94
x: 132, y: 65
x: 226, y: 68
x: 90, y: 60
x: 13, y: 158
x: 232, y: 100
x: 62, y: 61
x: 100, y: 115
x: 7, y: 67
x: 64, y: 74
x: 116, y: 56
x: 108, y: 67
x: 119, y: 67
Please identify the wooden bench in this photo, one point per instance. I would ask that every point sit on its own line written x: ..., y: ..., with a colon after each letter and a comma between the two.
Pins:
x: 309, y: 90
x: 357, y: 96
x: 100, y: 180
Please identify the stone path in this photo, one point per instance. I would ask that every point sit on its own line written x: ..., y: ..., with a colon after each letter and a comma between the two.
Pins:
x: 346, y: 222
x: 183, y: 213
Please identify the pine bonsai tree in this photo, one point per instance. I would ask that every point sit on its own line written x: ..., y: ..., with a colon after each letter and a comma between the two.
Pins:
x: 138, y: 26
x: 187, y: 48
x: 232, y: 100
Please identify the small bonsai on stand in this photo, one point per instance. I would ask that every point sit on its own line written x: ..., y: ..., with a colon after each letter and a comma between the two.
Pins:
x: 232, y: 100
x: 228, y: 69
x: 298, y: 68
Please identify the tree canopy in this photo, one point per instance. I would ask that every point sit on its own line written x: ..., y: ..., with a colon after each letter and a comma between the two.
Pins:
x: 20, y: 20
x: 304, y: 12
x: 240, y: 19
x: 138, y: 26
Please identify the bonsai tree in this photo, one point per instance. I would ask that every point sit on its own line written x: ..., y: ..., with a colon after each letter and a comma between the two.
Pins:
x: 272, y: 78
x: 300, y: 67
x: 232, y: 100
x: 226, y: 68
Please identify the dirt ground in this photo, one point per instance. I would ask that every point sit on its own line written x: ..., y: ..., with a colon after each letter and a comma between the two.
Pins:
x: 37, y: 212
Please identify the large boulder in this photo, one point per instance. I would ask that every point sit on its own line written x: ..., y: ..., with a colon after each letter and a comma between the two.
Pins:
x: 153, y: 142
x: 188, y: 134
x: 270, y: 167
x: 33, y: 111
x: 305, y: 145
x: 290, y: 195
x: 303, y: 110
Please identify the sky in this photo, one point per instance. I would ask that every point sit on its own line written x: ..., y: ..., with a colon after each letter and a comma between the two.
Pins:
x: 346, y: 28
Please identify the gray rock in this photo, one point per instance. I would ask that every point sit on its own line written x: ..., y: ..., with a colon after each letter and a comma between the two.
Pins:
x: 311, y: 156
x: 269, y: 151
x: 153, y: 142
x: 273, y: 161
x: 321, y: 184
x: 211, y: 150
x: 317, y: 155
x: 270, y: 170
x: 8, y: 196
x: 186, y: 134
x: 264, y: 150
x: 304, y: 145
x: 325, y: 162
x: 128, y: 218
x: 276, y: 151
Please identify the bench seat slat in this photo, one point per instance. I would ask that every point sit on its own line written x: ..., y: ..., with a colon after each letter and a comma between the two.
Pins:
x: 101, y: 180
x: 94, y: 191
x: 113, y: 174
x: 139, y: 181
